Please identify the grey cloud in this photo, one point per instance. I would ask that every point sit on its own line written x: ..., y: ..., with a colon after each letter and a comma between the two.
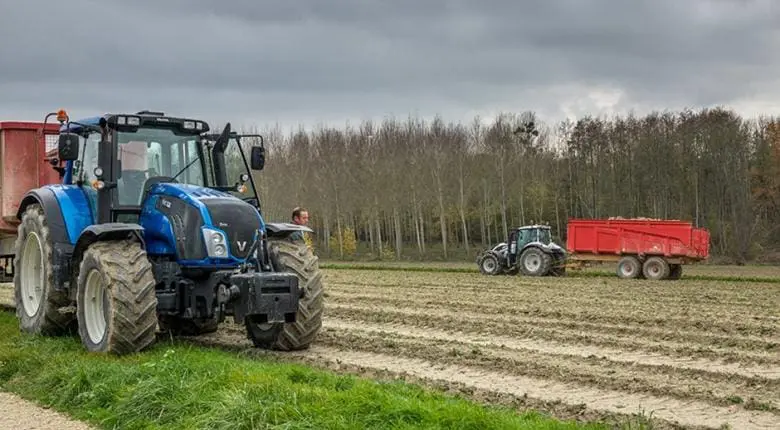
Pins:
x: 268, y: 61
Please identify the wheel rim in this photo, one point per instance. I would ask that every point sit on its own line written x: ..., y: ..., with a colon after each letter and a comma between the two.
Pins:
x: 532, y: 262
x: 94, y: 300
x: 627, y: 269
x: 653, y: 269
x: 32, y: 274
x: 489, y: 264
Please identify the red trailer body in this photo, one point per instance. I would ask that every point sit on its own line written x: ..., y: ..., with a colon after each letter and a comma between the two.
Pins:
x: 653, y: 248
x: 25, y: 151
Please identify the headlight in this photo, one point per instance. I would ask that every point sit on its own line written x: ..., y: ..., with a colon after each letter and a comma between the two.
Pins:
x: 215, y: 243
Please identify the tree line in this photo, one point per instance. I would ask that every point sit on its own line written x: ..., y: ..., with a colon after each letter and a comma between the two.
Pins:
x: 416, y: 189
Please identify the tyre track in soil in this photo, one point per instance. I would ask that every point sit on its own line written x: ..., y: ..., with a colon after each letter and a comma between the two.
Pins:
x: 761, y: 336
x: 507, y: 326
x: 705, y: 342
x: 565, y: 400
x: 602, y: 368
x: 679, y: 383
x: 638, y: 310
x: 717, y: 293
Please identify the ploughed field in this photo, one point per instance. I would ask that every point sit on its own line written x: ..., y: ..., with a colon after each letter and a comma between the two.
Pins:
x: 688, y: 353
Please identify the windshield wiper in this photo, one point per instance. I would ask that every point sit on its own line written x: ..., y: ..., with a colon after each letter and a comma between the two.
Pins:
x: 197, y: 157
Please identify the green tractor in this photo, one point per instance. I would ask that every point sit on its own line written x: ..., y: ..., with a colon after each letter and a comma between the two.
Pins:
x: 528, y: 250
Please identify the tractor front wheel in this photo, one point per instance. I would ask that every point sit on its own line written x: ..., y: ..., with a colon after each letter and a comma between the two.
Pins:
x: 294, y: 257
x: 489, y: 265
x: 39, y: 307
x: 535, y: 262
x: 116, y: 300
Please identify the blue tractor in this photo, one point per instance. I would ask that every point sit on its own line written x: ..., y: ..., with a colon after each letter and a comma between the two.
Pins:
x: 145, y: 235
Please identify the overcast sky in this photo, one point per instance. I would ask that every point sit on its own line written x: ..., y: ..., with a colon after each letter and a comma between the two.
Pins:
x: 309, y: 61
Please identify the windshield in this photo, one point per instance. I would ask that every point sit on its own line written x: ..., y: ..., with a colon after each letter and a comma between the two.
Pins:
x: 151, y: 152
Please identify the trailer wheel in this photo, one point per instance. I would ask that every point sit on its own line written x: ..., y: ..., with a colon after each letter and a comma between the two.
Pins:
x: 656, y: 268
x: 675, y: 271
x: 489, y: 265
x: 535, y: 262
x: 38, y: 304
x: 629, y: 268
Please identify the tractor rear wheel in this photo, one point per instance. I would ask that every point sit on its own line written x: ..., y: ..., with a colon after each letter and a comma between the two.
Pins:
x: 535, y: 262
x: 489, y: 265
x: 629, y: 267
x: 294, y: 257
x: 116, y: 300
x: 38, y: 304
x: 656, y: 268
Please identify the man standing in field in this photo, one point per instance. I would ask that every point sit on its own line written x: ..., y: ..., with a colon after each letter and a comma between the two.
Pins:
x: 300, y: 216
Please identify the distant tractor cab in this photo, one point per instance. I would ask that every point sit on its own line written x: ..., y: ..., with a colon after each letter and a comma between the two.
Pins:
x: 528, y: 250
x: 146, y: 232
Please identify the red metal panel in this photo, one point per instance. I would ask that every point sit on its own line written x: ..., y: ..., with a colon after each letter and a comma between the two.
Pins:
x: 23, y: 166
x: 670, y: 238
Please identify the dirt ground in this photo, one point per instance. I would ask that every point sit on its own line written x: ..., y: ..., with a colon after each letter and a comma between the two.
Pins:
x: 20, y: 414
x: 691, y: 354
x: 686, y: 354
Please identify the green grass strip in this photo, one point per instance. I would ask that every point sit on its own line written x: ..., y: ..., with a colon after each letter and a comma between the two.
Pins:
x: 571, y: 274
x: 178, y: 385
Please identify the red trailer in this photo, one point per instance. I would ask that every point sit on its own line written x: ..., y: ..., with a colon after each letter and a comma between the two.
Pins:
x: 648, y: 248
x: 26, y: 152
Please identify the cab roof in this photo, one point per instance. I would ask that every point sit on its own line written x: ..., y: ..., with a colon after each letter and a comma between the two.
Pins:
x: 145, y: 115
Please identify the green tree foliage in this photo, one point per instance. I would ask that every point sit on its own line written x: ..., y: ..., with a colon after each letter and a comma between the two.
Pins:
x: 442, y: 190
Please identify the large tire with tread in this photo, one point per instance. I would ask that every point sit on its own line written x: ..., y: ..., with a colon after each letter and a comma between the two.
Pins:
x: 489, y: 265
x: 629, y: 267
x: 116, y: 299
x: 558, y: 268
x: 39, y: 307
x: 535, y: 262
x: 294, y: 257
x: 656, y: 268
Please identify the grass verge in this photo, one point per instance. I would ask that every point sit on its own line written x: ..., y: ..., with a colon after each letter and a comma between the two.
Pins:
x: 179, y: 385
x: 589, y: 273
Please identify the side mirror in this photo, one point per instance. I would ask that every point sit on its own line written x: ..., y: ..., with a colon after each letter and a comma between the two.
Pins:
x: 68, y: 147
x: 258, y: 158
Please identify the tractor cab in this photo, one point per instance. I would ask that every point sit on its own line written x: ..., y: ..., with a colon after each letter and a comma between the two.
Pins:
x: 521, y: 237
x: 529, y: 249
x: 117, y: 159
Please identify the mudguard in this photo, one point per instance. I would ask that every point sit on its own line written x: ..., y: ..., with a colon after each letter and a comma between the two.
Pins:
x: 61, y: 243
x: 51, y: 208
x: 284, y: 229
x: 109, y: 231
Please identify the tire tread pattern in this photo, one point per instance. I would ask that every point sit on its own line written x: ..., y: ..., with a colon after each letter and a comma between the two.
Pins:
x: 128, y: 276
x: 297, y: 258
x: 55, y: 320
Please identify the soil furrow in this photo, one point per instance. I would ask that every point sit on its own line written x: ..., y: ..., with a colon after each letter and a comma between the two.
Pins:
x: 509, y: 327
x: 690, y: 414
x: 553, y: 348
x: 699, y: 331
x: 591, y: 371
